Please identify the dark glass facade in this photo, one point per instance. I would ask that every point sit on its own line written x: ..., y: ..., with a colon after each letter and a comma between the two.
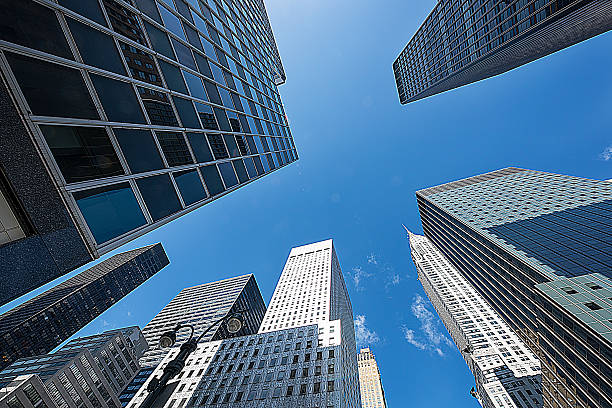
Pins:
x: 142, y: 110
x: 45, y: 321
x: 533, y: 244
x: 464, y: 41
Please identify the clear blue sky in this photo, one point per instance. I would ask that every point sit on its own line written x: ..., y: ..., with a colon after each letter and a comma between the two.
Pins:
x: 362, y: 156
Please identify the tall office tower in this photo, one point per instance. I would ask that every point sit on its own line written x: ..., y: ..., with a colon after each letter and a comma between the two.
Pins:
x: 506, y: 372
x: 465, y: 41
x: 308, y: 361
x: 45, y: 321
x: 370, y: 381
x: 86, y: 372
x: 121, y: 115
x: 537, y: 246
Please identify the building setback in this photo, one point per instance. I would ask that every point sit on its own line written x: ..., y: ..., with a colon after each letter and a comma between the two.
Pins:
x: 537, y: 246
x: 370, y: 381
x: 86, y: 372
x: 45, y: 321
x: 119, y: 116
x: 506, y: 372
x: 464, y: 41
x: 200, y: 306
x: 298, y: 363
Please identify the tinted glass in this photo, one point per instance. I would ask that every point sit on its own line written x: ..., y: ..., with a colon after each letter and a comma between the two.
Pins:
x: 184, y: 54
x: 110, y: 211
x: 222, y: 119
x: 240, y: 170
x: 34, y: 26
x: 227, y: 172
x: 196, y: 89
x: 82, y: 153
x: 175, y: 148
x: 250, y: 165
x: 158, y: 107
x: 140, y: 64
x: 218, y: 147
x: 159, y: 40
x: 212, y: 179
x: 139, y: 149
x: 52, y: 90
x: 118, y: 100
x: 199, y: 146
x: 258, y: 165
x: 173, y: 76
x: 89, y: 9
x: 149, y: 8
x: 207, y: 116
x: 186, y: 112
x: 172, y: 23
x: 230, y: 142
x: 159, y: 195
x: 96, y: 48
x: 190, y: 186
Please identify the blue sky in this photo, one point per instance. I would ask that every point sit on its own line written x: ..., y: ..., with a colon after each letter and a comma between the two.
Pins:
x: 362, y: 156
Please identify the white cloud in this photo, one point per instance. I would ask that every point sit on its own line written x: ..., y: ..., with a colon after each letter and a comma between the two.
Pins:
x: 363, y: 335
x: 129, y: 313
x: 430, y: 338
x: 395, y: 279
x: 358, y: 275
x: 606, y: 154
x: 372, y: 259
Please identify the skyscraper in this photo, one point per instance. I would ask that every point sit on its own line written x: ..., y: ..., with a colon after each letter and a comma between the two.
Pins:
x: 370, y: 381
x: 537, y: 246
x: 45, y: 321
x: 87, y: 372
x: 122, y: 115
x: 506, y: 372
x: 308, y: 360
x: 465, y: 41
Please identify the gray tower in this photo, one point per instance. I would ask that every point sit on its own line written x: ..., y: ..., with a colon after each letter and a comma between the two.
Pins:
x: 465, y: 41
x: 537, y: 246
x: 119, y: 116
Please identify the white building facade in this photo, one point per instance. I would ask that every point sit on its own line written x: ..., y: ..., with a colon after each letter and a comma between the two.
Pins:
x: 370, y: 382
x: 506, y: 372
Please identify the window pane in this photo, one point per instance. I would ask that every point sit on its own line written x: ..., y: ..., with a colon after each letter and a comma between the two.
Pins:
x: 190, y: 186
x: 89, y: 9
x: 175, y: 148
x: 196, y: 89
x: 118, y: 100
x: 258, y: 165
x: 227, y: 172
x: 159, y: 195
x: 186, y: 112
x: 96, y: 48
x: 250, y: 167
x: 207, y: 117
x: 199, y: 146
x: 230, y: 142
x: 110, y: 211
x: 52, y: 90
x: 184, y: 54
x: 222, y: 119
x: 141, y: 64
x: 82, y: 153
x: 139, y: 149
x: 218, y: 147
x: 158, y: 107
x: 159, y: 41
x: 240, y: 170
x: 212, y: 179
x: 173, y: 76
x: 34, y: 26
x: 172, y: 23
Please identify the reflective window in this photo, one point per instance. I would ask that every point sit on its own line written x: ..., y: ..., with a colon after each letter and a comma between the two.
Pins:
x: 124, y: 21
x: 159, y: 195
x: 82, y: 153
x: 173, y: 76
x: 222, y: 119
x: 186, y: 112
x: 240, y: 170
x: 96, y: 48
x: 89, y: 9
x: 212, y: 179
x: 194, y: 83
x: 218, y: 147
x: 190, y: 186
x: 139, y: 149
x: 230, y: 142
x: 141, y: 64
x: 227, y: 172
x: 149, y: 8
x: 160, y: 41
x: 118, y: 100
x: 33, y: 26
x: 158, y: 107
x: 110, y: 211
x: 207, y: 116
x: 250, y: 165
x: 52, y: 90
x: 199, y: 146
x: 172, y: 23
x: 184, y: 54
x: 175, y: 148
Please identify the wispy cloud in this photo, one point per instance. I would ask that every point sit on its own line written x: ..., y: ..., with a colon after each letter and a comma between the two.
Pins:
x: 395, y: 280
x: 430, y: 337
x: 606, y: 154
x: 358, y: 275
x: 363, y: 335
x: 372, y: 259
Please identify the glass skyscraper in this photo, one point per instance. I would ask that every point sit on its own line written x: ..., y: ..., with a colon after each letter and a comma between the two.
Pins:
x: 464, y: 41
x: 122, y: 115
x: 47, y: 320
x: 538, y: 247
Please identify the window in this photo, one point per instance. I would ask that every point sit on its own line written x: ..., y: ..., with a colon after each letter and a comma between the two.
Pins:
x: 330, y: 369
x: 593, y: 306
x: 292, y: 374
x: 186, y: 112
x: 331, y: 354
x: 330, y: 386
x: 218, y: 147
x: 82, y: 153
x: 289, y: 390
x: 317, y: 387
x: 159, y: 195
x: 196, y: 89
x: 50, y: 89
x: 159, y: 41
x: 110, y: 211
x: 96, y: 49
x: 118, y: 100
x: 158, y: 107
x: 227, y: 172
x: 569, y: 290
x: 305, y: 372
x: 252, y: 395
x: 175, y: 148
x: 230, y: 142
x: 276, y: 393
x: 139, y: 149
x: 200, y: 148
x: 207, y: 116
x: 303, y: 388
x: 240, y: 170
x: 296, y: 359
x: 173, y: 76
x: 592, y: 285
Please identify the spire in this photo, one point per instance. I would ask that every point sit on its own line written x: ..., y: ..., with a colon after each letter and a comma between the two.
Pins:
x: 410, y: 234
